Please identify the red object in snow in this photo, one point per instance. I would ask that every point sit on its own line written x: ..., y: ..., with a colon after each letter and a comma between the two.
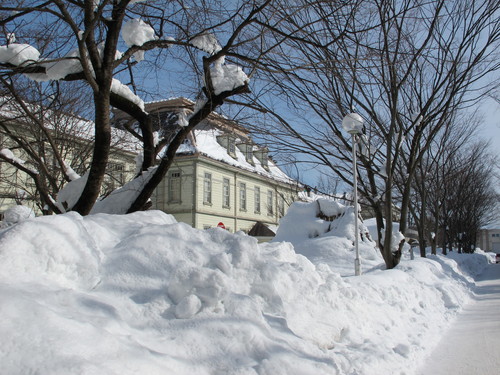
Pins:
x: 221, y: 225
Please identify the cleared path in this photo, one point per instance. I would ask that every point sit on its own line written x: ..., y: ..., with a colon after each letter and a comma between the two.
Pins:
x: 471, y: 346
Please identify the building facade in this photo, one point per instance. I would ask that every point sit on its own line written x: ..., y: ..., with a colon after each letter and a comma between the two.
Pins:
x: 489, y: 239
x: 220, y: 177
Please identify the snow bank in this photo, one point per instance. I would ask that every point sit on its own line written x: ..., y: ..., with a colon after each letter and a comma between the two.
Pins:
x: 141, y: 293
x: 327, y: 241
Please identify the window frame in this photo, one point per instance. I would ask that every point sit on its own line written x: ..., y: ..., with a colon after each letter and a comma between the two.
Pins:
x: 226, y: 192
x: 257, y: 201
x: 174, y: 177
x: 207, y: 188
x: 243, y: 196
x: 270, y: 202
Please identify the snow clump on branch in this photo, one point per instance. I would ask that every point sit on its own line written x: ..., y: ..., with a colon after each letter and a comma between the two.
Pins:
x: 136, y: 32
x: 227, y: 77
x: 18, y: 54
x: 207, y: 43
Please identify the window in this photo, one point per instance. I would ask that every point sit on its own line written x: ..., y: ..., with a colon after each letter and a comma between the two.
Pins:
x: 228, y: 141
x: 270, y: 199
x: 257, y: 200
x: 226, y: 193
x: 174, y: 187
x: 231, y: 148
x: 249, y: 154
x: 243, y: 196
x: 207, y: 189
x: 116, y: 173
x: 281, y: 205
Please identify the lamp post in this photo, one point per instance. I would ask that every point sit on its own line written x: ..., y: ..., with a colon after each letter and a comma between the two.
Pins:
x: 353, y: 124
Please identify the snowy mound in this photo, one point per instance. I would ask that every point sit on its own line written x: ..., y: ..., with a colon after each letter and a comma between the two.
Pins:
x: 141, y: 293
x: 18, y: 213
x: 323, y: 231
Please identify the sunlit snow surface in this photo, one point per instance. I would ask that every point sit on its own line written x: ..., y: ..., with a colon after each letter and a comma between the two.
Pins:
x: 143, y: 294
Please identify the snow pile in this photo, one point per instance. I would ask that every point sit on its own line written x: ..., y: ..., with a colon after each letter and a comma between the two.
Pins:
x: 141, y: 293
x: 18, y: 54
x: 323, y: 231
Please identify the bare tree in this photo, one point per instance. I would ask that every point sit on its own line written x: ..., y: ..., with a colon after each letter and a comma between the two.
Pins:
x: 50, y: 144
x: 430, y: 192
x: 471, y: 198
x: 80, y: 40
x: 405, y: 66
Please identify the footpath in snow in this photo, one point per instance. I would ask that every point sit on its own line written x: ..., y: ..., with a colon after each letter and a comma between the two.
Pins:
x: 472, y: 344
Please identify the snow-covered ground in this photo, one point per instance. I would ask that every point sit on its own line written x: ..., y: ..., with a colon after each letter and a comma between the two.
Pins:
x: 141, y: 293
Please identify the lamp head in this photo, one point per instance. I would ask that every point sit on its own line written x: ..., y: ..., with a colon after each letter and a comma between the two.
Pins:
x: 352, y: 123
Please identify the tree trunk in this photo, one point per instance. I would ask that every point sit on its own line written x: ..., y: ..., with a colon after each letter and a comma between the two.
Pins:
x: 100, y: 155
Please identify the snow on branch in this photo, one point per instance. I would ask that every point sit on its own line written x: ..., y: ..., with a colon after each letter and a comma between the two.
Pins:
x: 227, y: 77
x: 8, y: 154
x: 18, y: 54
x: 124, y: 91
x: 207, y: 43
x: 136, y: 32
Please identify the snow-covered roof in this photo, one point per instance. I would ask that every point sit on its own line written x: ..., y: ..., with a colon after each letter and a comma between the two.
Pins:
x: 206, y: 144
x: 204, y: 140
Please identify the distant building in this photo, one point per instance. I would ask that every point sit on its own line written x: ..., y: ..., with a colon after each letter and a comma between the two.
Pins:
x: 73, y: 139
x: 220, y: 176
x: 489, y: 239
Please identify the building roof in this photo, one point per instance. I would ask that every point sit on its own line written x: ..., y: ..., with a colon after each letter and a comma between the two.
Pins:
x: 206, y: 144
x: 70, y: 124
x: 261, y: 230
x: 203, y: 141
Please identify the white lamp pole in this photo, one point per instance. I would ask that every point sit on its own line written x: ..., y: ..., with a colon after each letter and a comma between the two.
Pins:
x: 353, y: 124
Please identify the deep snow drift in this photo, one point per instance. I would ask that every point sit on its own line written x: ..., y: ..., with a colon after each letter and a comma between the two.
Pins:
x: 140, y: 293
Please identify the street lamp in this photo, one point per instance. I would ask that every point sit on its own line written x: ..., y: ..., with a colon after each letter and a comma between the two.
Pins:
x: 353, y: 124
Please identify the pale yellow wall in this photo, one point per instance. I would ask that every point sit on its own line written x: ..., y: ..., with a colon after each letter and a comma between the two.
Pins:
x: 160, y: 197
x: 201, y: 214
x: 489, y: 240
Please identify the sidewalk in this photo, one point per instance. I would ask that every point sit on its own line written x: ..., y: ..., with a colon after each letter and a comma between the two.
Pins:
x: 471, y: 346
